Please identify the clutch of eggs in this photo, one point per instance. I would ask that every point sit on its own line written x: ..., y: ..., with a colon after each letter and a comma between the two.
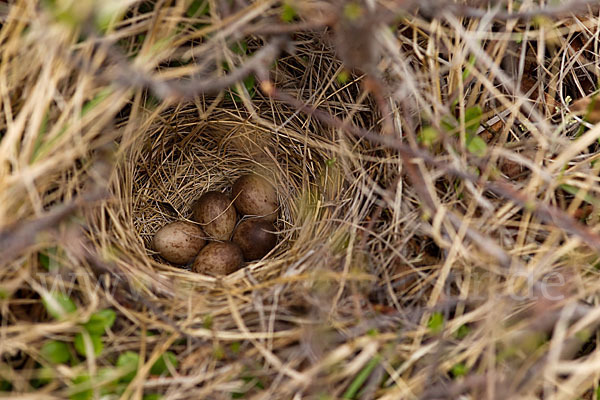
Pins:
x: 183, y: 242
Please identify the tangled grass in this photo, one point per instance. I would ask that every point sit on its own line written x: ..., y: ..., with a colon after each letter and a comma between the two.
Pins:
x: 436, y: 169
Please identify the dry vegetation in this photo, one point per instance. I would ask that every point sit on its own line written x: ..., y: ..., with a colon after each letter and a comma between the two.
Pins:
x: 436, y: 165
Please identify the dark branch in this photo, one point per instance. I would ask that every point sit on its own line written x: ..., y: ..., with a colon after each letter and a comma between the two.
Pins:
x: 188, y: 89
x: 549, y: 214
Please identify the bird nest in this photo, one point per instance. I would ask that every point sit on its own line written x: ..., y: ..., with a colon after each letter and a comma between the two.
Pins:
x: 316, y: 174
x: 437, y: 231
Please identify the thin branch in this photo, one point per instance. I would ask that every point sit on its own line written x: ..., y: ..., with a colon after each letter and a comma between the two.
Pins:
x: 433, y: 8
x: 567, y: 8
x: 188, y: 89
x: 500, y: 186
x: 16, y: 238
x: 279, y: 29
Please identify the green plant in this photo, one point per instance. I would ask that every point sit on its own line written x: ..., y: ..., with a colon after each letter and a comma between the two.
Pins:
x: 128, y: 362
x: 459, y: 370
x: 58, y: 305
x: 250, y: 383
x: 81, y: 389
x: 152, y: 396
x: 462, y: 332
x: 436, y: 322
x: 160, y: 366
x: 288, y: 12
x: 96, y: 342
x: 360, y: 379
x: 198, y: 8
x: 56, y: 352
x: 100, y: 321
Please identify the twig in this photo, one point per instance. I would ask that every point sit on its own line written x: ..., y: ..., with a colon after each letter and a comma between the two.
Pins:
x: 16, y: 238
x: 433, y: 8
x: 279, y: 29
x: 501, y: 187
x: 567, y: 8
x: 188, y: 89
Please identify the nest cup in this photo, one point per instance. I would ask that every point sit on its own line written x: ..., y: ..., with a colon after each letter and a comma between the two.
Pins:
x: 179, y: 158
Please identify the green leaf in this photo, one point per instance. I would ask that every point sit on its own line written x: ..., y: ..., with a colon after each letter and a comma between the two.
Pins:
x: 43, y: 376
x: 343, y: 77
x: 353, y: 11
x: 108, y: 13
x: 56, y: 352
x: 40, y: 136
x: 449, y: 124
x: 128, y: 362
x: 459, y: 370
x: 472, y: 120
x: 106, y: 378
x: 97, y: 344
x: 100, y: 321
x: 58, y: 305
x: 41, y: 147
x: 583, y: 335
x: 235, y: 347
x: 44, y: 261
x: 436, y: 322
x: 48, y: 259
x: 70, y: 13
x: 462, y: 332
x: 360, y: 379
x: 198, y: 8
x: 477, y: 146
x: 373, y: 332
x: 249, y: 83
x: 160, y: 366
x: 82, y: 393
x: 240, y: 48
x: 587, y: 198
x: 288, y: 13
x: 90, y: 105
x: 152, y: 396
x: 218, y: 352
x: 428, y: 136
x: 467, y: 70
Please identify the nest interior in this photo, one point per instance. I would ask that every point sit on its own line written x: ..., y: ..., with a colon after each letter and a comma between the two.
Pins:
x: 183, y: 158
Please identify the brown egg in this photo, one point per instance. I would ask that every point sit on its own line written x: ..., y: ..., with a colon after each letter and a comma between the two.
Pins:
x: 179, y: 242
x: 216, y: 213
x: 255, y: 238
x: 254, y: 195
x: 218, y: 258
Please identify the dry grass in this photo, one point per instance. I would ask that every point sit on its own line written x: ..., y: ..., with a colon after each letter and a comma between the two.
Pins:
x: 404, y: 270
